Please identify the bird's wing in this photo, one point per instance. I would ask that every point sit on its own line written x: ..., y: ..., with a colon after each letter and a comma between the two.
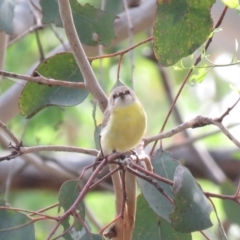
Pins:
x: 106, y: 117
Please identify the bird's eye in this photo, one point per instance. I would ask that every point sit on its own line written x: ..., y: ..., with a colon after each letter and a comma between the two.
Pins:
x: 114, y: 96
x: 127, y: 92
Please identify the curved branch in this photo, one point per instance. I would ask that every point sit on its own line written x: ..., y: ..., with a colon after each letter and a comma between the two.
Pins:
x: 90, y: 80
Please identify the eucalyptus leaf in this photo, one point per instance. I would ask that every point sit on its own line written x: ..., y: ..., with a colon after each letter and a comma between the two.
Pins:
x: 192, y: 208
x: 149, y: 226
x: 50, y: 12
x: 35, y: 96
x: 15, y: 225
x: 68, y: 194
x: 180, y: 27
x: 164, y: 166
x: 93, y: 25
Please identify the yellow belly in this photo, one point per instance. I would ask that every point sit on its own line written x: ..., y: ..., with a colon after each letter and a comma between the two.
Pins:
x: 125, y: 129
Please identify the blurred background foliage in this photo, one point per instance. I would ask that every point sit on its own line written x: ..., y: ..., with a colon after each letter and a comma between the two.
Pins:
x: 75, y: 125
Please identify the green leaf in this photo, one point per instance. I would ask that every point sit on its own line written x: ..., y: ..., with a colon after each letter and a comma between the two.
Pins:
x: 180, y: 27
x: 164, y: 166
x: 50, y: 12
x: 192, y: 208
x: 231, y: 3
x: 15, y: 225
x: 231, y: 209
x: 149, y: 226
x: 35, y: 97
x: 7, y: 15
x: 68, y: 193
x: 169, y: 233
x: 114, y: 7
x: 199, y: 74
x: 93, y: 25
x: 82, y: 235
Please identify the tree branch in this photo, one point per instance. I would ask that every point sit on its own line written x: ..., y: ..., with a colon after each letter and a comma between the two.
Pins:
x: 43, y: 80
x: 194, y: 123
x: 26, y: 150
x: 3, y: 48
x: 90, y: 80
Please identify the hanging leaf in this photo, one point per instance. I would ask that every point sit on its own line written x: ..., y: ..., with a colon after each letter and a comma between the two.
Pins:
x: 15, y: 225
x: 68, y: 194
x: 93, y: 25
x: 180, y: 28
x: 50, y: 12
x: 199, y: 74
x: 35, y: 97
x: 192, y: 211
x: 164, y: 166
x: 149, y: 226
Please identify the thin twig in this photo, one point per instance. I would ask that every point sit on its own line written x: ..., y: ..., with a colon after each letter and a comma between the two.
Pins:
x: 119, y: 67
x: 225, y: 131
x: 30, y: 211
x: 44, y: 209
x: 25, y: 33
x: 39, y: 44
x: 58, y: 37
x: 219, y: 222
x: 201, y: 136
x: 121, y: 52
x: 79, y: 198
x: 105, y: 177
x: 151, y: 181
x: 220, y: 119
x: 199, y: 121
x: 10, y: 134
x: 206, y: 237
x: 220, y: 196
x: 43, y: 80
x: 173, y: 131
x: 151, y: 174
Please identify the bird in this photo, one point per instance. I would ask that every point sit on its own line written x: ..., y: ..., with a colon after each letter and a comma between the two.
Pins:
x: 124, y: 122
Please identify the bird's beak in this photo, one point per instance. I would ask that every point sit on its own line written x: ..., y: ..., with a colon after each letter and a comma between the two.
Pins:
x: 121, y: 94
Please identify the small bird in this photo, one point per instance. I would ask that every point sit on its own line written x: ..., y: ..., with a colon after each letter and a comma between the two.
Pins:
x: 124, y: 122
